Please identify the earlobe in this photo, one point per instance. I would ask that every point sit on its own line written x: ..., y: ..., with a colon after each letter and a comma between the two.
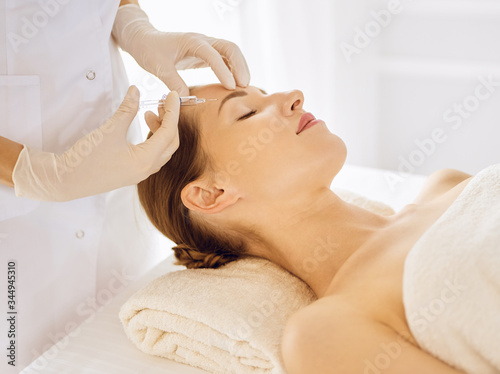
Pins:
x: 206, y: 199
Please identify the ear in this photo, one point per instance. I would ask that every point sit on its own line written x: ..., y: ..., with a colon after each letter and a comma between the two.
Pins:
x: 204, y: 198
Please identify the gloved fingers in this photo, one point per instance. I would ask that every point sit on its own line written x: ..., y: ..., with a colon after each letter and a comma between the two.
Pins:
x: 125, y: 113
x: 190, y: 62
x: 214, y: 59
x: 173, y: 80
x: 153, y: 121
x: 166, y: 138
x: 161, y: 110
x: 236, y: 60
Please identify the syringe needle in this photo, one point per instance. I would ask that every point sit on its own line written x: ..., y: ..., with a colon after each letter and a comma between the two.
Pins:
x: 185, y: 101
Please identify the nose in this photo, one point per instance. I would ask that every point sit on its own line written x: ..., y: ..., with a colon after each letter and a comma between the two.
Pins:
x: 292, y: 101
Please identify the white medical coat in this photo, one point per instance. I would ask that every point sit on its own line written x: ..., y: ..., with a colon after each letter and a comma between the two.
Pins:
x: 61, y: 76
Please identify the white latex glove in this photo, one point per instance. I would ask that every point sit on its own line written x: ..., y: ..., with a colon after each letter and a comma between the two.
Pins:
x: 102, y: 160
x: 162, y: 53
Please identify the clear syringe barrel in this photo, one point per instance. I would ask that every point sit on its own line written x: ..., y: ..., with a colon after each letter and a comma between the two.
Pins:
x: 185, y: 100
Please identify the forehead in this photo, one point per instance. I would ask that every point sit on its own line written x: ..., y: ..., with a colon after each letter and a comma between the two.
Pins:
x: 217, y: 91
x: 208, y: 112
x: 210, y: 91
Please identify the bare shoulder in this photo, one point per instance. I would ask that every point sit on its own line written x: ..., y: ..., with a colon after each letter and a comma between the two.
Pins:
x: 440, y: 182
x: 332, y: 336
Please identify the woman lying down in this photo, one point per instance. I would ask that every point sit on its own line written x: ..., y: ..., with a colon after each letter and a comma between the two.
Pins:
x: 252, y: 177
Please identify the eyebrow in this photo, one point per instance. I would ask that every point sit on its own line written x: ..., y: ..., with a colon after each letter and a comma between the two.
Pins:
x: 237, y: 94
x: 231, y: 96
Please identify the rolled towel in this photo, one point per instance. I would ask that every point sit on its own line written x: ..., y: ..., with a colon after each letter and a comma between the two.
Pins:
x: 225, y: 320
x: 451, y: 282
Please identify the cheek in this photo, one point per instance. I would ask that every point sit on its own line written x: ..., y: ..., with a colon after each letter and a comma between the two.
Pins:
x: 265, y: 160
x: 290, y: 165
x: 248, y: 160
x: 268, y: 162
x: 264, y: 135
x: 229, y: 163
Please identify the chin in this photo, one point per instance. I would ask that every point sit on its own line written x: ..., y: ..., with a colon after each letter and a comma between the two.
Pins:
x: 323, y: 159
x: 336, y: 156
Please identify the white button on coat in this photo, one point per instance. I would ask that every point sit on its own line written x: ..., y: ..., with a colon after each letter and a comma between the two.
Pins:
x: 90, y: 75
x: 65, y: 252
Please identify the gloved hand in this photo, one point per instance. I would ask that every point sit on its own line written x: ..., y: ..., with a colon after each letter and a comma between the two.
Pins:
x: 102, y: 160
x: 162, y: 53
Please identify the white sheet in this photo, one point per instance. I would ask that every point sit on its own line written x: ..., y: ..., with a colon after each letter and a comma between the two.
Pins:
x: 100, y: 344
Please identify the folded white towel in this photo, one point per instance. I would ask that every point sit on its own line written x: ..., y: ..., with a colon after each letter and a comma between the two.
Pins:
x: 452, y: 280
x: 225, y: 320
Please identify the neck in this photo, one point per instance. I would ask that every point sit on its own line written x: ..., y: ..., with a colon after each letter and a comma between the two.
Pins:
x: 315, y: 238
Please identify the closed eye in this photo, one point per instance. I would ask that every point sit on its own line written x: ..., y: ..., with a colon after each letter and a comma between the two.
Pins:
x: 248, y: 115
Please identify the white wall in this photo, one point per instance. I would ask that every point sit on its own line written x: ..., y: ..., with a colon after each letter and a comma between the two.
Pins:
x: 396, y: 92
x: 429, y: 57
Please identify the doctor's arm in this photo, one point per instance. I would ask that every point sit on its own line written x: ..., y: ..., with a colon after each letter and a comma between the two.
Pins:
x: 9, y: 153
x: 163, y: 53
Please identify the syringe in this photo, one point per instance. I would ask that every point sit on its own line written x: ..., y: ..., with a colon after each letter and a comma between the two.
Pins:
x: 185, y: 100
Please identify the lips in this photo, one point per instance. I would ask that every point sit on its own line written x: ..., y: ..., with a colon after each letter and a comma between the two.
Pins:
x: 306, y: 119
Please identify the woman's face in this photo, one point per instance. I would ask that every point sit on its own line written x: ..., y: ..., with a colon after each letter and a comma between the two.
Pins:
x: 255, y: 146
